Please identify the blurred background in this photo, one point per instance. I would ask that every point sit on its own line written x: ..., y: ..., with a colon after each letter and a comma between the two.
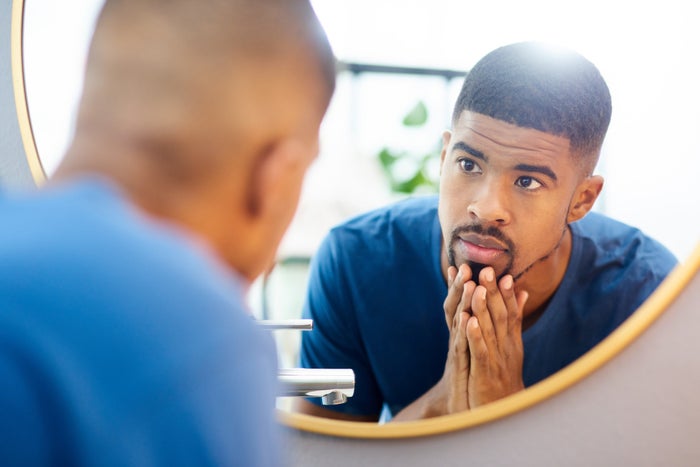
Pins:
x: 401, y: 67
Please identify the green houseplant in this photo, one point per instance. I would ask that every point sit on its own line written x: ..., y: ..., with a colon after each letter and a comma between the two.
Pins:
x: 407, y: 171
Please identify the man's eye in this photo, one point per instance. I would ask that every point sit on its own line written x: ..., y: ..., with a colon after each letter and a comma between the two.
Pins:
x: 469, y: 166
x: 528, y: 183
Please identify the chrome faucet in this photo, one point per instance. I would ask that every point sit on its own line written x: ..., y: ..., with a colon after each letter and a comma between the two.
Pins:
x: 333, y: 386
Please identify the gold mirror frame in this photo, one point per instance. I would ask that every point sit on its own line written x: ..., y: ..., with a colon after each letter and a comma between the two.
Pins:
x: 25, y: 126
x: 633, y: 327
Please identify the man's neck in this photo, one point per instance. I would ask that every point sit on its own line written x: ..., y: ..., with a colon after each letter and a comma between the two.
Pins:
x: 543, y: 280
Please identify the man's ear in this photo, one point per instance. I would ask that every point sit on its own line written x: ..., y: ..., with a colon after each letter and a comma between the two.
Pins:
x: 446, y: 136
x: 586, y: 194
x: 275, y: 177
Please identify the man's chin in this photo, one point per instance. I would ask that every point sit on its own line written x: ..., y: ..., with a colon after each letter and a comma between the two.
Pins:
x: 501, y: 265
x: 476, y: 269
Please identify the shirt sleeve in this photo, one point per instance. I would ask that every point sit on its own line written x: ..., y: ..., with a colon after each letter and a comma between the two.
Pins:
x: 332, y: 302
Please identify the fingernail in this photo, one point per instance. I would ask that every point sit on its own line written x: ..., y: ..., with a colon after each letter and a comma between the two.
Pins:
x: 507, y: 282
x: 488, y: 275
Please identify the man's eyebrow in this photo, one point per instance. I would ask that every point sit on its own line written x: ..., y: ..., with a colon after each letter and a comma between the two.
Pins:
x: 543, y: 169
x: 462, y: 146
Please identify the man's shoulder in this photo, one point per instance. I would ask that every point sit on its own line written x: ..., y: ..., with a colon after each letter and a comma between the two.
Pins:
x: 419, y: 211
x: 403, y: 232
x: 612, y: 235
x: 89, y: 237
x: 596, y: 224
x: 610, y: 246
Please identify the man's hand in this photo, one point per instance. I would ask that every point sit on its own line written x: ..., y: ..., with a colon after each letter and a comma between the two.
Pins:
x: 457, y: 306
x: 494, y: 334
x: 485, y: 355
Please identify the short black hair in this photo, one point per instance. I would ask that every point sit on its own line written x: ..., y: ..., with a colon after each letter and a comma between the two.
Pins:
x: 535, y: 85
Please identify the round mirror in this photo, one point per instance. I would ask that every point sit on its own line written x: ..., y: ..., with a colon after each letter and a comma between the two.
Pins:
x: 649, y: 158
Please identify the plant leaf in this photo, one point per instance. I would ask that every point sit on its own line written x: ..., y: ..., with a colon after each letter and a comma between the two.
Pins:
x: 386, y: 158
x: 417, y: 116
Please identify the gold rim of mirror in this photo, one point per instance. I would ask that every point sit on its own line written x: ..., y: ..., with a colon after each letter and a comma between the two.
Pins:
x: 650, y: 310
x: 25, y: 127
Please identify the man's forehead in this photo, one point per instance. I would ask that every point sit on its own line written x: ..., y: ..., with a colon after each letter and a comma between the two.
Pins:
x: 488, y: 134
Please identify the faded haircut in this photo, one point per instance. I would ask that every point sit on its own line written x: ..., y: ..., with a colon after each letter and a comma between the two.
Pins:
x: 154, y: 63
x: 258, y: 28
x: 535, y: 85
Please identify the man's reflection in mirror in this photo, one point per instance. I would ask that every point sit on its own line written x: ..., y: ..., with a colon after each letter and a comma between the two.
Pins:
x: 442, y: 304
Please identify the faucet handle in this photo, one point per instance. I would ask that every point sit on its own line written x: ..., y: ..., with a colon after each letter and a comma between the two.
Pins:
x: 334, y: 398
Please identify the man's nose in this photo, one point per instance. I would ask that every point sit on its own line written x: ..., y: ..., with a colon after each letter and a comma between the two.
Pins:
x: 490, y: 204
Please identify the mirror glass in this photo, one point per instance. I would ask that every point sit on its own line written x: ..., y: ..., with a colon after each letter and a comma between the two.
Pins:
x: 646, y: 51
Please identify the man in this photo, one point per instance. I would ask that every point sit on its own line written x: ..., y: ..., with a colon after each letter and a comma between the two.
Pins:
x: 508, y: 256
x: 124, y: 338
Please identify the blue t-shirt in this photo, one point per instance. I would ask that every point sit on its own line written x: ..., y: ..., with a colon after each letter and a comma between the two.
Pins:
x: 376, y: 293
x: 123, y: 341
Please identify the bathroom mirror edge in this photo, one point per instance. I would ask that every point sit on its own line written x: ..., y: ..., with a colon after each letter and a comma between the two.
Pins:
x: 17, y: 53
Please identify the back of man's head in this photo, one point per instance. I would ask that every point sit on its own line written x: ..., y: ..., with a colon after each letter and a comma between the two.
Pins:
x: 162, y: 73
x: 186, y: 103
x: 539, y: 86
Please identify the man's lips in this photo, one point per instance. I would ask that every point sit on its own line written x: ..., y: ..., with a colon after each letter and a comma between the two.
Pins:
x: 484, y: 250
x: 483, y: 242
